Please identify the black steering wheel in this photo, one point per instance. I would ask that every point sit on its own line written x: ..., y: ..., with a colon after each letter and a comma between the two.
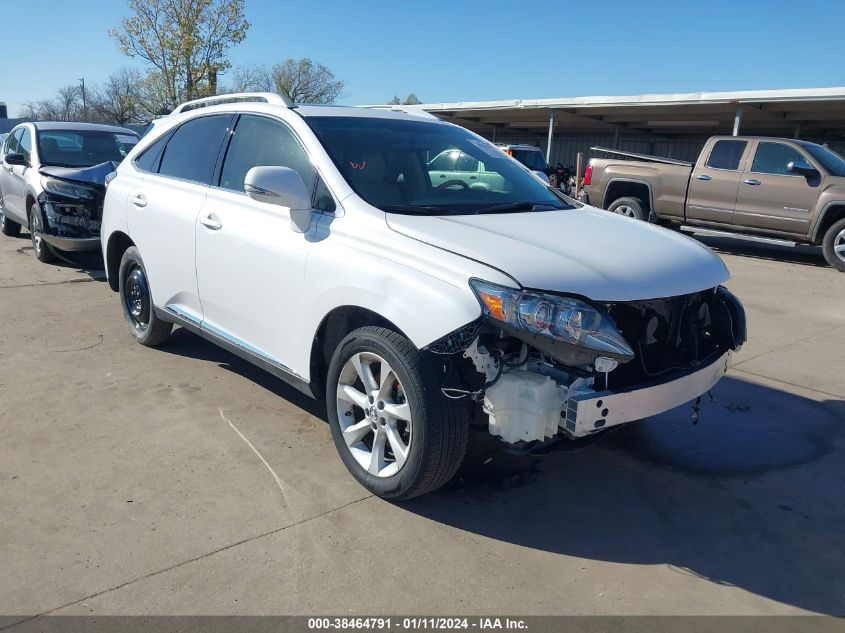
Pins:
x: 452, y: 183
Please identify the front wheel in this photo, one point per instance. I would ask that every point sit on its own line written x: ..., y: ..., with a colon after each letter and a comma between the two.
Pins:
x: 833, y: 245
x: 396, y: 432
x: 43, y: 251
x: 137, y: 301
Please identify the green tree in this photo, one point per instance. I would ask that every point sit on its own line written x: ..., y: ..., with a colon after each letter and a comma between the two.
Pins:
x: 185, y: 41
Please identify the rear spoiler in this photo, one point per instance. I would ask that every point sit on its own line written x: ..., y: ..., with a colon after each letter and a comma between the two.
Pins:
x: 646, y: 157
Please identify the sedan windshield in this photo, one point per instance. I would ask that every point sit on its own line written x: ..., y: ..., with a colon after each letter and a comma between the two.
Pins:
x: 82, y: 148
x: 418, y: 167
x: 832, y: 161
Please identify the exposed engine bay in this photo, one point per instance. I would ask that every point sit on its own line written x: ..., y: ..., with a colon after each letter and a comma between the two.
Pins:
x: 532, y: 386
x: 72, y: 200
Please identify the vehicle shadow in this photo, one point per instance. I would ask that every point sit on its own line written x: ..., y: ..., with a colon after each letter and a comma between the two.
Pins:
x: 801, y: 254
x: 86, y: 262
x: 751, y: 497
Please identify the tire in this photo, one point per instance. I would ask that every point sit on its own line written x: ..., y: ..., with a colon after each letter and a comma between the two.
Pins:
x: 7, y: 226
x: 435, y: 436
x: 136, y: 299
x: 43, y: 251
x: 833, y: 245
x: 630, y: 207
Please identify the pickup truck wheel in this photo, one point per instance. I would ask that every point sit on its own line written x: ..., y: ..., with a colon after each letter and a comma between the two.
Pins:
x: 137, y: 301
x: 7, y: 226
x: 396, y: 432
x: 833, y: 245
x: 631, y: 207
x: 43, y: 251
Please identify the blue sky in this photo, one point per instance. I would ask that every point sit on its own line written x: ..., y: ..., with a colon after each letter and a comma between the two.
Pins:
x: 466, y: 51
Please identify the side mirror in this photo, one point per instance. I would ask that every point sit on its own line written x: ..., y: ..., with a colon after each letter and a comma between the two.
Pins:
x: 16, y: 159
x: 281, y: 186
x: 803, y: 168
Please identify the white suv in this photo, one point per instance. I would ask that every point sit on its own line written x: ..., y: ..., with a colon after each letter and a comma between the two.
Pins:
x: 316, y: 243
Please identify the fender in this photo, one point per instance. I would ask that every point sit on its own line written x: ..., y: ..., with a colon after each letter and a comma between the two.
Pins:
x: 646, y: 183
x: 814, y: 234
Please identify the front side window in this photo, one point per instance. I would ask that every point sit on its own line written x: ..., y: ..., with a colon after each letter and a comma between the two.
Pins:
x: 831, y: 161
x: 773, y: 158
x: 25, y: 146
x: 260, y: 141
x: 13, y: 141
x: 409, y: 166
x: 191, y: 153
x: 726, y: 154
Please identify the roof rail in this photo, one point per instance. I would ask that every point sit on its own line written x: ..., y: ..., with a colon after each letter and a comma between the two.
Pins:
x: 261, y: 97
x: 407, y: 109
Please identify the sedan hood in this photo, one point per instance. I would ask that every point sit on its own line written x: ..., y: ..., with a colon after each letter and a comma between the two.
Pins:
x: 599, y: 255
x: 95, y: 175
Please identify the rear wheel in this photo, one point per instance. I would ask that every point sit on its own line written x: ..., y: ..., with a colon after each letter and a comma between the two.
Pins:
x: 43, y: 251
x: 630, y: 207
x: 7, y: 226
x: 396, y: 432
x: 137, y: 302
x: 833, y: 245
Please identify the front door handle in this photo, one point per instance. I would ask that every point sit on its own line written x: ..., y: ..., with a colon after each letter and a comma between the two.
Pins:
x: 704, y: 177
x: 751, y: 181
x: 209, y: 222
x: 139, y: 200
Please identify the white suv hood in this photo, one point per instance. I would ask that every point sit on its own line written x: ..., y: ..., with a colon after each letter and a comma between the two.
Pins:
x: 599, y: 255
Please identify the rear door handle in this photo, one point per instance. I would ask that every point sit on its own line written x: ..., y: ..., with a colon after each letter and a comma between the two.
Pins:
x: 209, y: 222
x: 751, y: 181
x: 139, y: 200
x: 704, y: 177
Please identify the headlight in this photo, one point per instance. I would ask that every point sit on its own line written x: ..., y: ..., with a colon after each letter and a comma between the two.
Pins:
x: 64, y: 188
x: 558, y: 318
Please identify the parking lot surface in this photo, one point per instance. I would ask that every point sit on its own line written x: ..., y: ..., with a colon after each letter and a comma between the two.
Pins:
x: 181, y: 480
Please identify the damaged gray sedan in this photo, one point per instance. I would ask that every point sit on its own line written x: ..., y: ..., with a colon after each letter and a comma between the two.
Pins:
x: 53, y: 181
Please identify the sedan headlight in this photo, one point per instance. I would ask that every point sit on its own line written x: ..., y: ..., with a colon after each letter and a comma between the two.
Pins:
x: 558, y: 318
x: 67, y: 189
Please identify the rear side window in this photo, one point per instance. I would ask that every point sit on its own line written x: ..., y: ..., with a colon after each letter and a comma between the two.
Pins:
x: 726, y: 154
x: 772, y: 158
x: 191, y: 152
x: 259, y: 141
x: 150, y: 158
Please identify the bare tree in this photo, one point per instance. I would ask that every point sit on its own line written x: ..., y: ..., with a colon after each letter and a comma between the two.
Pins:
x: 118, y: 100
x: 65, y: 106
x: 184, y: 40
x: 251, y: 79
x: 306, y: 81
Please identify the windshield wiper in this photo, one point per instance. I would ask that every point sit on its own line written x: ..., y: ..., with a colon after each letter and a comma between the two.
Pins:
x: 413, y: 208
x: 515, y: 207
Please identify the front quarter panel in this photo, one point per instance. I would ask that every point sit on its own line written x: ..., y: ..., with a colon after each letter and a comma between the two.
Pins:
x: 832, y: 195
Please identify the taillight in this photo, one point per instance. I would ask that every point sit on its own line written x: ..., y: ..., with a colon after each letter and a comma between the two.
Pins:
x: 588, y: 175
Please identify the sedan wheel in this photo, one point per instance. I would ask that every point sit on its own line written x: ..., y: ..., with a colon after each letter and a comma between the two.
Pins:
x: 374, y: 414
x: 43, y: 251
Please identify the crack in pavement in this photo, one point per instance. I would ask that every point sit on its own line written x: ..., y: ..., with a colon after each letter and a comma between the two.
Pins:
x: 790, y: 384
x: 54, y: 283
x: 188, y: 561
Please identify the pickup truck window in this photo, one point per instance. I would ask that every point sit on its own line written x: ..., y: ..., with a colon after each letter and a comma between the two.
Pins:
x: 831, y: 161
x: 726, y: 154
x: 772, y: 158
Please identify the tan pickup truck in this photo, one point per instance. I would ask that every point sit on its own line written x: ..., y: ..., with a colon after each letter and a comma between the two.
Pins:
x: 770, y: 189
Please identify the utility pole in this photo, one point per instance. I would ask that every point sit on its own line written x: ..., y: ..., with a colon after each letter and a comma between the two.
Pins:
x: 84, y: 103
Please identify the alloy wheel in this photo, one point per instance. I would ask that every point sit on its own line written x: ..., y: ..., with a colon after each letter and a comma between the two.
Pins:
x: 37, y: 232
x: 625, y: 210
x: 374, y: 414
x: 839, y: 245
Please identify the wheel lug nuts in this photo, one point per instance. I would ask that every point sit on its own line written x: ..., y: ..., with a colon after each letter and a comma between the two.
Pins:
x: 370, y: 398
x: 381, y: 404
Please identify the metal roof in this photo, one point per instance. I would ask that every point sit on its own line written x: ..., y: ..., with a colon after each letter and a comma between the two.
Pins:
x: 775, y: 112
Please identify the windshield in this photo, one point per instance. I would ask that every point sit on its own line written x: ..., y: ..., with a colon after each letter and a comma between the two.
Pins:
x: 82, y: 148
x: 531, y: 158
x: 426, y: 168
x: 831, y: 161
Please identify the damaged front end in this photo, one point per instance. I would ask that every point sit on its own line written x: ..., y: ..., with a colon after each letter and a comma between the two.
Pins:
x: 71, y: 203
x: 540, y: 365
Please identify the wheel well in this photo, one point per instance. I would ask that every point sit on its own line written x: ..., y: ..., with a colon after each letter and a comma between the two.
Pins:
x: 624, y: 189
x: 334, y: 327
x: 30, y: 200
x: 118, y: 243
x: 831, y: 217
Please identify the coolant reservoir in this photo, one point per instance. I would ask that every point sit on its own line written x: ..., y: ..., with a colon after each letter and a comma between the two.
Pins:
x: 524, y: 406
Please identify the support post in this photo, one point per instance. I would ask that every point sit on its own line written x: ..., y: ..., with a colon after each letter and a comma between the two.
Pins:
x: 579, y: 162
x: 797, y: 132
x: 551, y: 136
x: 616, y: 138
x: 495, y: 127
x: 737, y: 120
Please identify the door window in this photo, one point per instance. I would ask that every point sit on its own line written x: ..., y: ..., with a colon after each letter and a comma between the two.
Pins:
x: 191, y: 152
x: 25, y: 146
x: 773, y: 158
x: 726, y: 154
x: 466, y: 163
x: 13, y: 141
x: 260, y: 141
